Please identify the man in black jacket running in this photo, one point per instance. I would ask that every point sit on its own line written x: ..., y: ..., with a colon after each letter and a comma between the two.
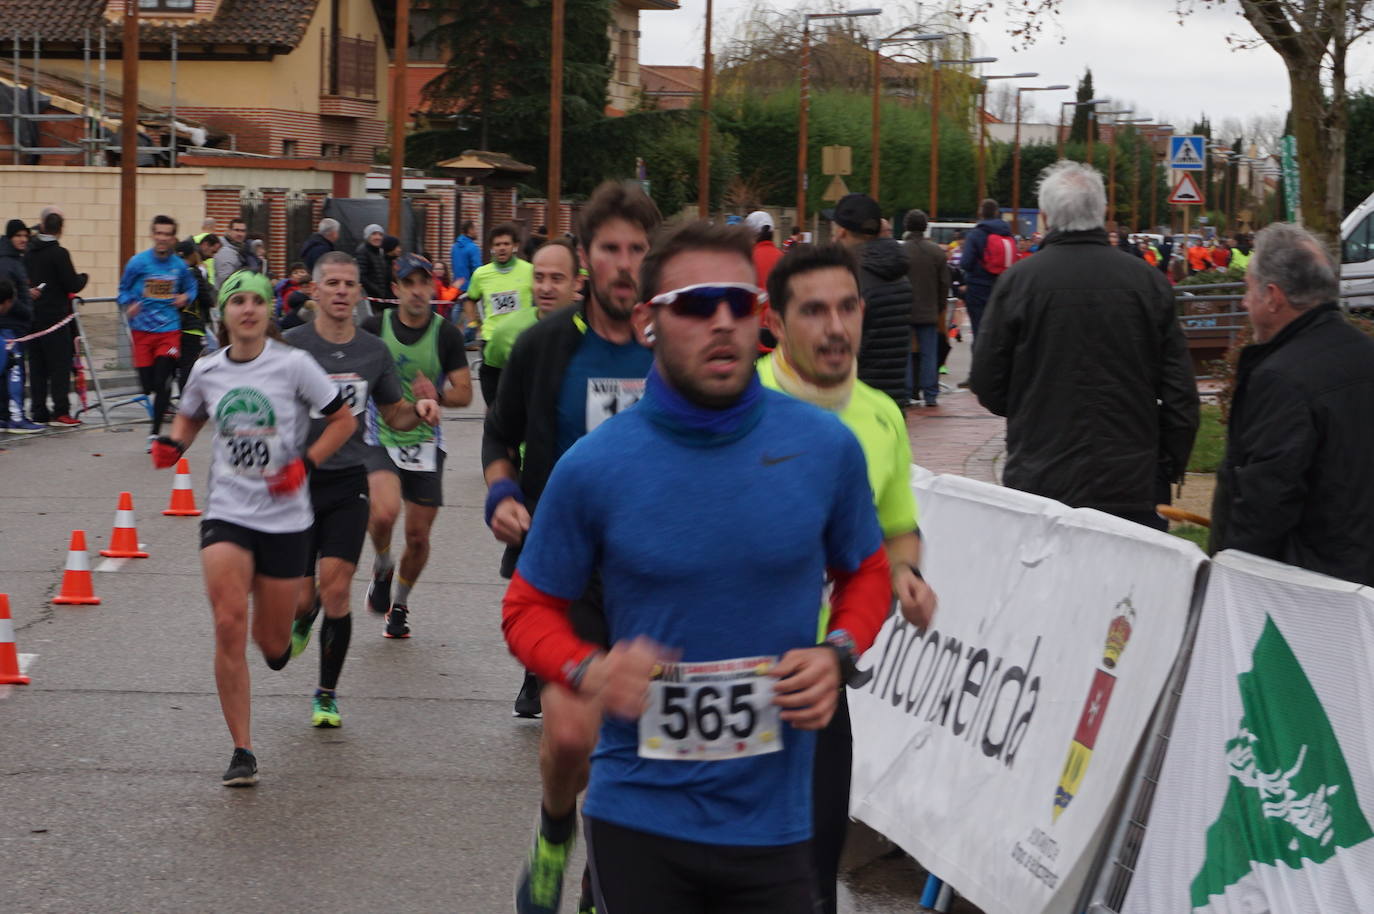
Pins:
x: 566, y: 374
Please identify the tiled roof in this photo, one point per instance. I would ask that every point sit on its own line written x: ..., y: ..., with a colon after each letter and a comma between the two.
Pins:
x: 277, y: 23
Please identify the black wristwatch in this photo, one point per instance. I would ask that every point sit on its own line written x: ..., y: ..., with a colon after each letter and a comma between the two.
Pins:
x: 842, y: 643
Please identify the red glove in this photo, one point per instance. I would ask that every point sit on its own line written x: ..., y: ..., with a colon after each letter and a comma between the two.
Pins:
x: 290, y: 477
x: 166, y: 452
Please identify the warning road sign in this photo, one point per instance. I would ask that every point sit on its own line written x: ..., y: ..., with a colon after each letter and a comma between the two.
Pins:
x: 1185, y: 153
x: 1186, y: 192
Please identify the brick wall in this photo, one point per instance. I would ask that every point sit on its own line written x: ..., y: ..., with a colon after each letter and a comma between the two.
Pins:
x: 262, y: 131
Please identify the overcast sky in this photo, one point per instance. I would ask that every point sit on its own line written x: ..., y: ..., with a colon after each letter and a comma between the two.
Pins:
x: 1137, y: 50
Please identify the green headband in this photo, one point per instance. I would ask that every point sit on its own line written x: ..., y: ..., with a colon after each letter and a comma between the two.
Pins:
x: 246, y: 281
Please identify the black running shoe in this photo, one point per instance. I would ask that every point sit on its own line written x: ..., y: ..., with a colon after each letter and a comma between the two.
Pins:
x: 379, y: 592
x: 396, y: 626
x: 243, y: 770
x: 527, y: 703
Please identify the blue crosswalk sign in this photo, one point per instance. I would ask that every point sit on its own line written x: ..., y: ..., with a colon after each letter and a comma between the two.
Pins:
x: 1185, y: 153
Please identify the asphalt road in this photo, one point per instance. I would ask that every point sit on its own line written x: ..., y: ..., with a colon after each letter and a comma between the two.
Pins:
x: 110, y: 760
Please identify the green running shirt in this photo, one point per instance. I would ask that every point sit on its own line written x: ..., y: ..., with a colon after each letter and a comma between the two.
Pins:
x: 422, y: 355
x: 877, y: 422
x: 503, y: 338
x: 501, y: 293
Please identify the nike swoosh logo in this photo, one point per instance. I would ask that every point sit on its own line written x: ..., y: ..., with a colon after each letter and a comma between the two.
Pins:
x: 773, y: 461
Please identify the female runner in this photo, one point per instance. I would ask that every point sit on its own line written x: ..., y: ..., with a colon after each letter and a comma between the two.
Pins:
x: 259, y: 394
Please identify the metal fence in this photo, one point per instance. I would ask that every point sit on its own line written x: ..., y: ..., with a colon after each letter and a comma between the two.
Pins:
x: 1213, y: 322
x: 104, y: 351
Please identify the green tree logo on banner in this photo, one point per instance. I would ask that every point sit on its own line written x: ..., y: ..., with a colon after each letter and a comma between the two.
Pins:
x: 1290, y: 797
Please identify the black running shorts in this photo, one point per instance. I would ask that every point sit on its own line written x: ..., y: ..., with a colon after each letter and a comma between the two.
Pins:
x: 339, y: 498
x: 425, y: 489
x: 275, y: 555
x: 636, y: 871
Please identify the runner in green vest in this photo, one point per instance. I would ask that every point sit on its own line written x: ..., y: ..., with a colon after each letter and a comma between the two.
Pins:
x: 817, y: 315
x: 503, y: 287
x: 409, y: 465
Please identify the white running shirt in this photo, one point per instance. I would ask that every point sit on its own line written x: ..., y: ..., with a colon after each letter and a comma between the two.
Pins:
x: 260, y: 414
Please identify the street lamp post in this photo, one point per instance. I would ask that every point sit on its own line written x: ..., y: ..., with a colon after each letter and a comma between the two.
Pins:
x: 805, y: 111
x: 398, y: 117
x: 1016, y: 155
x: 935, y: 125
x: 553, y: 217
x: 983, y: 127
x: 1160, y: 130
x: 704, y: 155
x: 1111, y: 167
x: 1062, y: 106
x: 875, y: 152
x: 1138, y: 120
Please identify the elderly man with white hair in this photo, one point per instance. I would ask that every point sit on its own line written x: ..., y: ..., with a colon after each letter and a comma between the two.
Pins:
x: 322, y: 242
x: 1081, y: 350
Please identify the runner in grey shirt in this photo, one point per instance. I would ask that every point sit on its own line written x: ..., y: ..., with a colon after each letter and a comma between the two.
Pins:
x: 360, y: 366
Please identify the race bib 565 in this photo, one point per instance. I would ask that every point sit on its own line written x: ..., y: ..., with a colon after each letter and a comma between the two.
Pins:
x: 711, y: 711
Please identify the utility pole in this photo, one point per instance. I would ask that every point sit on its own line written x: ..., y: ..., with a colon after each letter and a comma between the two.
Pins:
x: 128, y: 136
x: 704, y: 154
x: 398, y: 116
x: 554, y: 215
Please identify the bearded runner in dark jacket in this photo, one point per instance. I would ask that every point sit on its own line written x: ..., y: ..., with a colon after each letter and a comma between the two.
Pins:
x: 1295, y: 483
x: 1082, y: 352
x: 978, y: 282
x: 886, y: 288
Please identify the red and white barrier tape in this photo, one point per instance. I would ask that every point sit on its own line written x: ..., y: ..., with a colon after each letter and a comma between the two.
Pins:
x: 9, y: 344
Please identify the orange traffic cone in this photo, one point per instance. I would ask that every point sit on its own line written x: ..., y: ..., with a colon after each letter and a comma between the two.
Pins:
x: 124, y: 539
x: 77, y: 589
x: 9, y: 656
x: 183, y: 503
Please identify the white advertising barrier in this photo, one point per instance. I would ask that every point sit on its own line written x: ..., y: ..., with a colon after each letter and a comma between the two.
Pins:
x: 1267, y: 794
x: 992, y: 746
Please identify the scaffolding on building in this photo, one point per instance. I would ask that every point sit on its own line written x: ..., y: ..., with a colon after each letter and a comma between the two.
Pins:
x: 100, y: 131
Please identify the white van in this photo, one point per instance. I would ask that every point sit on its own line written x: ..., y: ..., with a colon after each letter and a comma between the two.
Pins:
x: 943, y: 232
x: 1357, y: 254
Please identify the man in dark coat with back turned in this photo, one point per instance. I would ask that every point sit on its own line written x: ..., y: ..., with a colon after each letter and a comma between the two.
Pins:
x: 50, y: 356
x: 978, y: 281
x: 1082, y: 352
x: 886, y: 290
x: 928, y: 271
x: 1295, y: 484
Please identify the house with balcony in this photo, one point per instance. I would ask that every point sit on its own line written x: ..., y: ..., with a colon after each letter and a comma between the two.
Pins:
x: 299, y: 79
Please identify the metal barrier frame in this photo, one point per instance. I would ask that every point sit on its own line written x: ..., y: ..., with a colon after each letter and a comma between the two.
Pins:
x: 123, y: 337
x: 1110, y: 882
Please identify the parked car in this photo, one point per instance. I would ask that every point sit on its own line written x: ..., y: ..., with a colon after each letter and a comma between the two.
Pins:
x: 1357, y: 255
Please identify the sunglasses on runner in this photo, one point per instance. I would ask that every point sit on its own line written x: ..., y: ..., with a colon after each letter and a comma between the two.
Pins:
x: 702, y: 300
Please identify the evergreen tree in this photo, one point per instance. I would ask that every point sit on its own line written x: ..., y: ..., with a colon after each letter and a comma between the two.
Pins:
x: 1081, y: 120
x: 497, y: 79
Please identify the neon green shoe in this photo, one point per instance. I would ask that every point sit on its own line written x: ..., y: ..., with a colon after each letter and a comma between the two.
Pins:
x: 301, y: 629
x: 540, y: 888
x: 326, y: 710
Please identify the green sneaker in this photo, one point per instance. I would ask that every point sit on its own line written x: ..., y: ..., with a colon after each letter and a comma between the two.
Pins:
x: 301, y: 629
x: 326, y: 710
x: 540, y: 888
